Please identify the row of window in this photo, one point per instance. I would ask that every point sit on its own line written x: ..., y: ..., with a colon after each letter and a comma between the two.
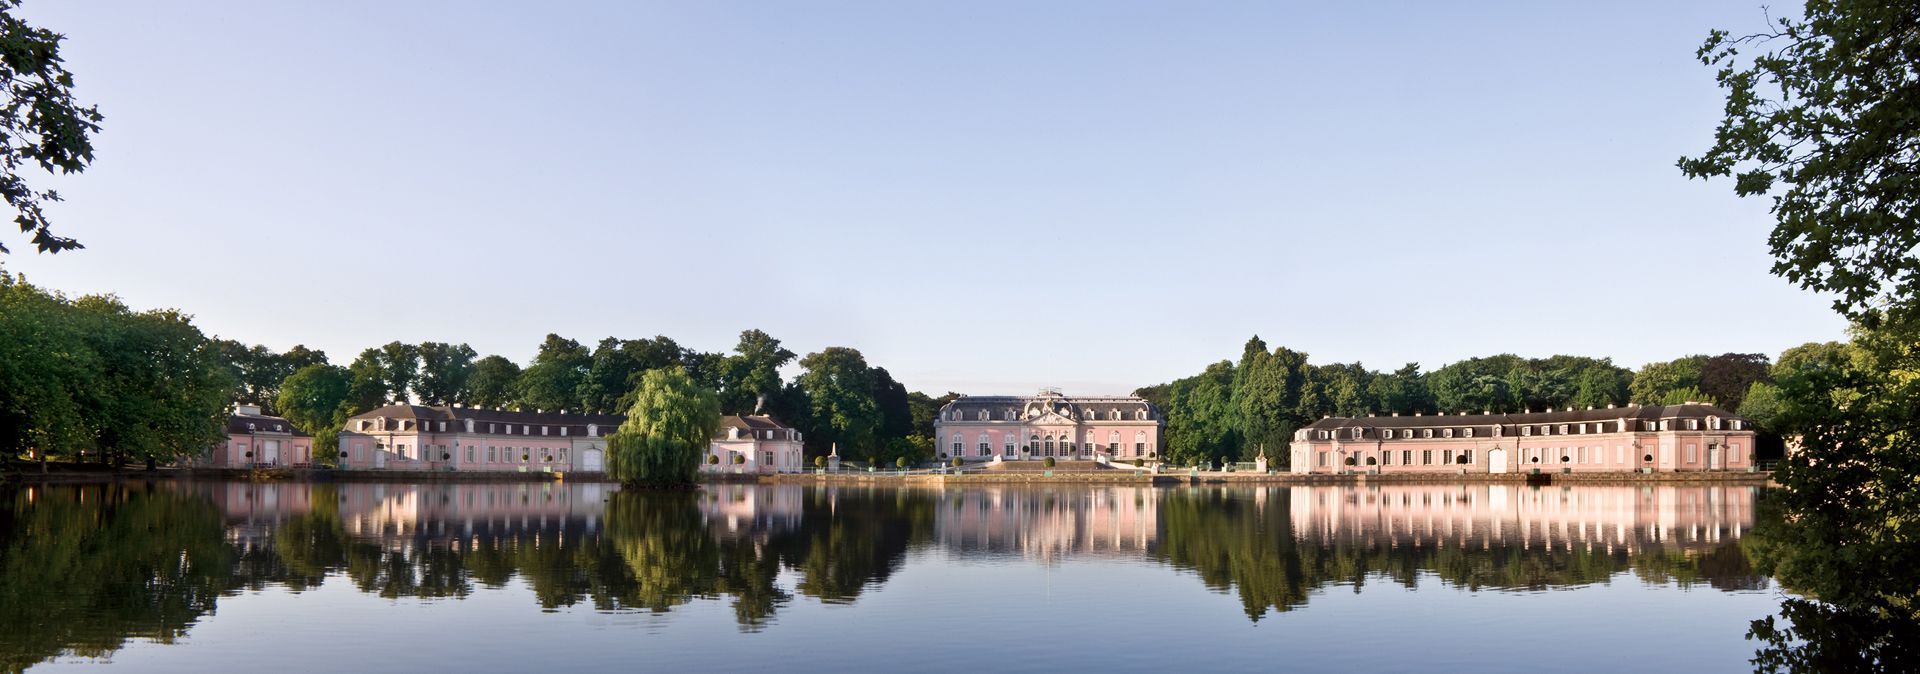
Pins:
x: 493, y: 428
x: 985, y: 449
x: 1529, y: 455
x: 1619, y: 426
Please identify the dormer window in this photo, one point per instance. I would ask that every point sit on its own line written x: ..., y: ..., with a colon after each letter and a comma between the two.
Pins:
x: 1426, y: 432
x: 1563, y: 429
x: 1140, y: 415
x: 1113, y: 415
x: 1693, y: 424
x: 1448, y: 433
x: 1526, y: 430
x: 1467, y: 432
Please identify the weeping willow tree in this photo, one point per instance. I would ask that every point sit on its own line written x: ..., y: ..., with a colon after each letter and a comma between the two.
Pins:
x: 667, y: 431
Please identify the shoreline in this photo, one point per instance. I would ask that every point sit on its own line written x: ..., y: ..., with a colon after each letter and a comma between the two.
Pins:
x: 917, y: 479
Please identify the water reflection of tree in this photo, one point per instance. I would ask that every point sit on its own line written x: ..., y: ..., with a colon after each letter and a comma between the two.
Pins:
x: 1832, y: 622
x: 1235, y: 542
x: 83, y: 569
x: 852, y: 539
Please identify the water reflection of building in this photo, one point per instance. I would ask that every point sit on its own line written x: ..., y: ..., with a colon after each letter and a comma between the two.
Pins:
x: 756, y: 509
x: 1048, y: 524
x: 1630, y: 518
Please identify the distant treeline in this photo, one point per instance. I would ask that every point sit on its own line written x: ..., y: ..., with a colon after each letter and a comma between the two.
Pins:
x: 837, y: 398
x: 90, y: 379
x: 1234, y: 408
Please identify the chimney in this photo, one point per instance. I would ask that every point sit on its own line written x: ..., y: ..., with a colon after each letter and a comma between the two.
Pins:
x: 246, y: 410
x: 759, y: 405
x: 1609, y: 405
x: 1396, y: 414
x: 1417, y: 413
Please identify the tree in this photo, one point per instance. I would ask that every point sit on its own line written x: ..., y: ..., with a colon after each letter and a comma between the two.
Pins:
x: 1654, y: 382
x: 400, y: 369
x: 926, y: 409
x: 552, y: 382
x: 444, y: 372
x: 1848, y: 535
x: 753, y: 370
x: 895, y: 408
x: 615, y: 368
x: 1602, y: 385
x: 1349, y: 388
x: 1200, y: 416
x: 491, y: 384
x: 669, y: 427
x: 1265, y: 390
x: 162, y: 392
x: 1476, y: 384
x: 1819, y: 117
x: 839, y: 388
x: 1725, y: 378
x: 47, y: 376
x: 39, y: 124
x: 314, y: 400
x: 366, y: 382
x: 1763, y: 405
x: 1404, y: 391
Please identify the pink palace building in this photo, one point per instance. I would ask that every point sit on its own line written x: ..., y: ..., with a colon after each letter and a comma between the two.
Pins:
x: 256, y: 440
x: 1659, y: 438
x: 443, y: 438
x: 1012, y: 428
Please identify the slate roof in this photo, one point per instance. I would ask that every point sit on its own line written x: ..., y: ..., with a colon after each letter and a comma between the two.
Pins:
x: 243, y: 424
x: 1079, y: 406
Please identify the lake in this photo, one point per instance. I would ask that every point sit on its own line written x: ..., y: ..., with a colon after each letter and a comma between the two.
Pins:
x: 196, y: 576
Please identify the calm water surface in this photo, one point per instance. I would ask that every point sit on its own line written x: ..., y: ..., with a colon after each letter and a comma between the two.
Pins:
x: 203, y: 576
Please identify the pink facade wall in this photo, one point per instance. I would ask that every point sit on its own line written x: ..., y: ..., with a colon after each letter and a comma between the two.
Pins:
x: 268, y: 450
x: 1131, y: 440
x: 1586, y: 453
x: 762, y: 456
x: 470, y: 451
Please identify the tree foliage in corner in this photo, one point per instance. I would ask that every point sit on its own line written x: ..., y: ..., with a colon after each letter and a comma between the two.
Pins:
x: 667, y: 430
x: 1825, y: 118
x: 40, y: 124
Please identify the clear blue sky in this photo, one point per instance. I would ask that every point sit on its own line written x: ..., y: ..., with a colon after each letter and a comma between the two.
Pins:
x: 984, y: 197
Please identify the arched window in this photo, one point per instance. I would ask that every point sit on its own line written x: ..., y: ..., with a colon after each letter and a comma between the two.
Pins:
x: 1140, y: 443
x: 1048, y: 449
x: 1033, y: 444
x: 1113, y: 442
x: 957, y: 446
x: 986, y: 444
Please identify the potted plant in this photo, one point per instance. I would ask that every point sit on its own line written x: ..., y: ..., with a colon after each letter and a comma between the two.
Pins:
x: 713, y: 459
x: 957, y: 462
x: 900, y: 463
x: 1048, y: 462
